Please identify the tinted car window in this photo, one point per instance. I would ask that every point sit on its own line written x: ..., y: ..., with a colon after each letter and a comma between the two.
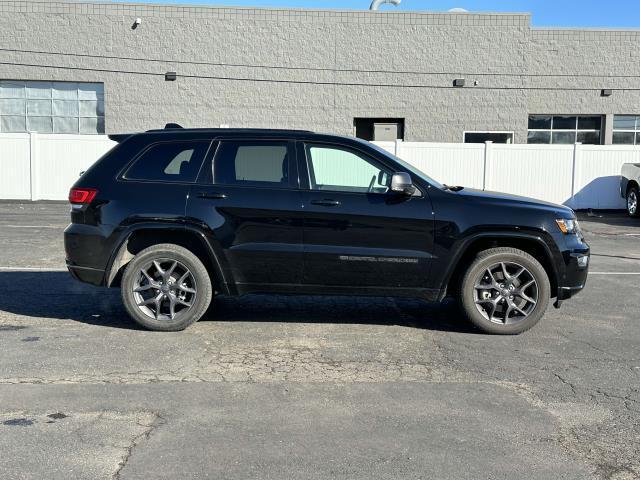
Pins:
x: 257, y: 163
x: 338, y: 169
x: 169, y: 162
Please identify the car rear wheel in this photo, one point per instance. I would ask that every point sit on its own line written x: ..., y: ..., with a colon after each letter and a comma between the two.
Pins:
x: 632, y: 202
x: 505, y: 291
x: 166, y: 288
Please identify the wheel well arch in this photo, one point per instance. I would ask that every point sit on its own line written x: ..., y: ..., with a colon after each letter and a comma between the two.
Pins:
x: 141, y: 238
x: 530, y: 245
x: 631, y: 184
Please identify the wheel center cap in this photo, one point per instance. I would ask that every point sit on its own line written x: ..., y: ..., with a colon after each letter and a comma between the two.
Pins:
x: 164, y: 288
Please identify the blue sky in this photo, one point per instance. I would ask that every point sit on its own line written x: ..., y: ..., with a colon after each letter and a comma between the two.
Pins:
x: 558, y: 13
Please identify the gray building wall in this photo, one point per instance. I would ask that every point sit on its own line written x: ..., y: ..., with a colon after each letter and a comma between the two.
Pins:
x: 318, y: 69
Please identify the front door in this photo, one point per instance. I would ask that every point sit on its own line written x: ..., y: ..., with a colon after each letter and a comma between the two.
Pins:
x: 250, y: 204
x: 356, y: 232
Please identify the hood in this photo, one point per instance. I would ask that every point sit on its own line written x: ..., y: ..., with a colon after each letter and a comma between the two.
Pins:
x: 499, y: 198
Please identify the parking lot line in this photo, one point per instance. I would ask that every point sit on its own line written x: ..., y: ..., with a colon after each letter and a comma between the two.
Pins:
x: 33, y: 226
x: 32, y: 269
x: 614, y: 273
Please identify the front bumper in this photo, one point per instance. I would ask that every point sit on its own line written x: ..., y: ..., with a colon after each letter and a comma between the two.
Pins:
x: 574, y: 277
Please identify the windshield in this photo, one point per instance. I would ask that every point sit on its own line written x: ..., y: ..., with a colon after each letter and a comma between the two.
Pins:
x: 408, y: 166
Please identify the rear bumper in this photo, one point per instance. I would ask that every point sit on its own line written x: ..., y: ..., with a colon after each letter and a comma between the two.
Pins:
x: 90, y: 275
x: 87, y: 252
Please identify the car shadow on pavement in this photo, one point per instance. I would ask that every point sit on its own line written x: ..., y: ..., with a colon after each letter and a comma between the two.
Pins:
x: 609, y: 222
x: 55, y: 295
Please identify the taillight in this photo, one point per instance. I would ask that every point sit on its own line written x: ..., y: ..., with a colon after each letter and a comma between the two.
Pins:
x: 82, y: 195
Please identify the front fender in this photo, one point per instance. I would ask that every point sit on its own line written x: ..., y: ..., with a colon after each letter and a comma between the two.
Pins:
x: 467, y: 244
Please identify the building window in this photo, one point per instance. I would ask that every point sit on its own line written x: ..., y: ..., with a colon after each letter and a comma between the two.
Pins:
x: 379, y: 129
x: 626, y: 129
x: 482, y: 137
x: 565, y: 129
x: 51, y: 107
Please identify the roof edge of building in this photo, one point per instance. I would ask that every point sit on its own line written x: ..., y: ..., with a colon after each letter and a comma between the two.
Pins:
x: 39, y: 6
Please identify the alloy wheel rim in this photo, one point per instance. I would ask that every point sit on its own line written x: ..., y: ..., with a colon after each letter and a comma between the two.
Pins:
x: 506, y: 293
x: 164, y: 289
x: 632, y: 203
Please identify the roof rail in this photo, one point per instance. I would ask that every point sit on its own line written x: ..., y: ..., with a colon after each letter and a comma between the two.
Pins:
x: 172, y: 125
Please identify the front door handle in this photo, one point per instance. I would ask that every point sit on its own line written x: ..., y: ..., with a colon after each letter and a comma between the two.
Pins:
x: 212, y: 195
x: 326, y: 202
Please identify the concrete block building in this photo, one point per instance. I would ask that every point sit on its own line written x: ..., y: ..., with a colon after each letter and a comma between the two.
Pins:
x: 73, y: 67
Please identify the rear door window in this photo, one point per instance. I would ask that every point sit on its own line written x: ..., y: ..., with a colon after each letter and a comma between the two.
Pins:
x: 253, y: 163
x: 169, y: 162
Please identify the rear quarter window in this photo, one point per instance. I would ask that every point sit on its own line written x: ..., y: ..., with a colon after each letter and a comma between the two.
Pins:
x: 178, y: 161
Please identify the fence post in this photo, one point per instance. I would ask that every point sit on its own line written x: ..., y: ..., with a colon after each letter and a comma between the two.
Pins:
x: 576, y: 157
x: 396, y: 147
x: 33, y: 152
x: 488, y: 150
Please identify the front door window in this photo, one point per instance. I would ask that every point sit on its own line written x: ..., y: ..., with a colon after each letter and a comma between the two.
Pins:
x: 340, y: 170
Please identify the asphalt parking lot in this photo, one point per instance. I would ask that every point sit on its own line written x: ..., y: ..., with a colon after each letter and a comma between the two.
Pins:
x: 309, y: 387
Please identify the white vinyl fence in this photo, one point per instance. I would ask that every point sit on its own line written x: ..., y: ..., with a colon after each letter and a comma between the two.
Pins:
x: 43, y: 167
x: 580, y: 176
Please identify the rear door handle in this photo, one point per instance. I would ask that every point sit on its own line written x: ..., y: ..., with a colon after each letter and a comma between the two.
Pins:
x: 212, y: 195
x: 326, y: 202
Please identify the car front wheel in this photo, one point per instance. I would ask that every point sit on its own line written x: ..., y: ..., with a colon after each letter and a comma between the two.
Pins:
x: 505, y: 291
x: 166, y: 287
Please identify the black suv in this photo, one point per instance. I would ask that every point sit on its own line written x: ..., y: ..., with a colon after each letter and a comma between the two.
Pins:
x: 175, y: 216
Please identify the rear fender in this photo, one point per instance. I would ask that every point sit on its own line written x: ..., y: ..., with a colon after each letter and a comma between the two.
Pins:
x: 165, y: 232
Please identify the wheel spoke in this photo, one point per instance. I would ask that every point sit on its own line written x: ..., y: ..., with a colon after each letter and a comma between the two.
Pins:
x: 159, y: 299
x: 168, y: 272
x: 184, y: 276
x: 144, y: 288
x: 146, y: 302
x: 510, y: 308
x: 185, y: 289
x: 527, y: 298
x: 520, y: 272
x: 504, y: 271
x: 146, y: 274
x: 172, y: 306
x: 527, y: 285
x: 490, y: 301
x: 183, y: 302
x: 158, y: 267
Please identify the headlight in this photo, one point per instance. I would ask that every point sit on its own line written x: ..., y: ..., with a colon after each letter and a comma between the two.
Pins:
x: 568, y: 226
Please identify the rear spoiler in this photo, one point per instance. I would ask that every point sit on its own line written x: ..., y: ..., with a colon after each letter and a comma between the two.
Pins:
x: 119, y: 137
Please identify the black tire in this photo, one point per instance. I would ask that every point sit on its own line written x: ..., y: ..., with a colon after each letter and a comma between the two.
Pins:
x: 181, y: 308
x: 478, y: 272
x: 633, y: 202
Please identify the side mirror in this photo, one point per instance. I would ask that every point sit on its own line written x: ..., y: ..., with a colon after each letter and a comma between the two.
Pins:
x: 401, y: 183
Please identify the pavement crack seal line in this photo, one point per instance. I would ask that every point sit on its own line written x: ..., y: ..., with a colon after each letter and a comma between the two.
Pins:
x: 149, y: 429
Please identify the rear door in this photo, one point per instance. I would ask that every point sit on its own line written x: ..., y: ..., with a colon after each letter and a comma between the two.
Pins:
x: 249, y: 202
x: 357, y: 233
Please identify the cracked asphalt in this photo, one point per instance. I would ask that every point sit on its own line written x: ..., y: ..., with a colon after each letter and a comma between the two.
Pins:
x: 312, y: 387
